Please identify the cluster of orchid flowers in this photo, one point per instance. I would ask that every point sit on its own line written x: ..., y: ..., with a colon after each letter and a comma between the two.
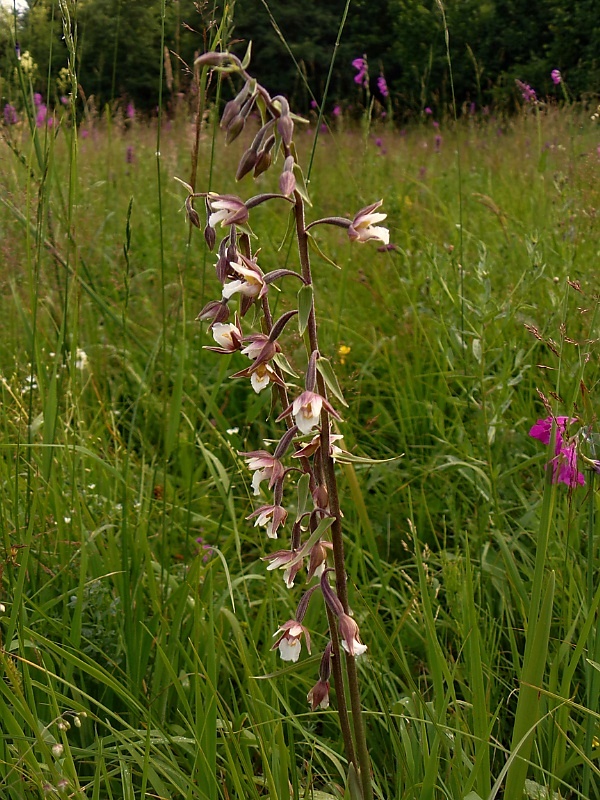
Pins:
x: 309, y: 416
x: 564, y: 464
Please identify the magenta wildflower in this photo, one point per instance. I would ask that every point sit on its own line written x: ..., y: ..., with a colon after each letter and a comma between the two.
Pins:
x: 382, y: 86
x: 362, y: 76
x: 336, y: 111
x: 37, y: 99
x: 40, y: 117
x: 130, y: 155
x: 428, y: 111
x: 527, y: 93
x: 130, y: 111
x: 556, y: 77
x: 313, y: 104
x: 564, y: 463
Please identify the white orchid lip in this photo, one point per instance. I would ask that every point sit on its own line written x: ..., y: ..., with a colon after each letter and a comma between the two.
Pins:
x: 223, y: 334
x: 364, y: 226
x: 306, y: 410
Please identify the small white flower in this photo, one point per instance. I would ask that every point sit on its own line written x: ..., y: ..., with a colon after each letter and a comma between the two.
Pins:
x: 81, y: 360
x: 57, y: 750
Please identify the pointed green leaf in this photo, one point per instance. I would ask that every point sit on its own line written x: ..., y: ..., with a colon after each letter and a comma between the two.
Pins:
x: 305, y: 304
x: 312, y: 242
x: 326, y: 370
x: 284, y: 365
x: 350, y: 458
x: 301, y: 183
x: 303, y: 495
x: 248, y: 55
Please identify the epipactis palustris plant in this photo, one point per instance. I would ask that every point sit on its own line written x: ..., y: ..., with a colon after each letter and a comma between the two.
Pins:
x: 307, y: 446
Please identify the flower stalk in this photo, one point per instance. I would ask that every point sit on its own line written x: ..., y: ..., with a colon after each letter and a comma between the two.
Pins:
x: 317, y: 531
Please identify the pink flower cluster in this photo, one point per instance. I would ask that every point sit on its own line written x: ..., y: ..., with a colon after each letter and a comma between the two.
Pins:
x: 527, y: 93
x: 362, y: 76
x: 564, y: 463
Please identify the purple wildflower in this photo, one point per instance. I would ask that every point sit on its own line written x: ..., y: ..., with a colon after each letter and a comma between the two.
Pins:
x: 362, y: 77
x: 336, y: 111
x: 438, y: 143
x: 556, y: 77
x: 378, y: 142
x: 130, y: 111
x: 40, y: 117
x: 38, y: 99
x: 428, y: 110
x: 382, y: 86
x: 65, y: 100
x: 130, y: 155
x: 564, y: 463
x: 10, y: 115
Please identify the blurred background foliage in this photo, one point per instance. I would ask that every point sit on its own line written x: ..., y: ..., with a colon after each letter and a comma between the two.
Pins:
x: 491, y: 44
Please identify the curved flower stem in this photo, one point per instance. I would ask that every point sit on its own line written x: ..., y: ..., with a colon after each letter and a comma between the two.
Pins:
x: 338, y: 544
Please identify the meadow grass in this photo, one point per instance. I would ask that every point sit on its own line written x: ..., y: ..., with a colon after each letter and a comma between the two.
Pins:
x: 136, y: 662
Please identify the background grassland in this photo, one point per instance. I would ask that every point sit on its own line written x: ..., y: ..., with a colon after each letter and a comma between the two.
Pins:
x: 112, y: 465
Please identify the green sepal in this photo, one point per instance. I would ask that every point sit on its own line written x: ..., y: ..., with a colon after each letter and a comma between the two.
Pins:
x: 305, y: 304
x: 326, y: 370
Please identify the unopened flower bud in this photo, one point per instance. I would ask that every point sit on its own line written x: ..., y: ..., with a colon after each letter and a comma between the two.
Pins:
x: 212, y: 59
x: 191, y: 212
x: 321, y: 497
x: 318, y: 697
x: 210, y: 237
x: 235, y: 127
x: 247, y: 164
x: 287, y: 183
x: 216, y: 311
x: 285, y: 127
x: 57, y: 750
x: 263, y: 163
x: 76, y: 721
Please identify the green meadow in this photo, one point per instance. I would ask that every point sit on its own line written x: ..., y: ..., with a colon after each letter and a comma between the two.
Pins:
x: 138, y: 617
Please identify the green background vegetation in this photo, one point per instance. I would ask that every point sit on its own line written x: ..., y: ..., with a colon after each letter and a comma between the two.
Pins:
x: 461, y: 555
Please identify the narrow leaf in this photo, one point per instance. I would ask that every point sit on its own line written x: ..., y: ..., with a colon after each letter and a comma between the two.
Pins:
x: 305, y: 304
x: 326, y: 370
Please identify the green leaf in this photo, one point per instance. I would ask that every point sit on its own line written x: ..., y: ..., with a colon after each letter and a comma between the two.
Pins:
x: 305, y: 304
x: 349, y: 458
x: 284, y: 365
x: 326, y: 370
x: 303, y: 495
x: 301, y: 183
x: 353, y: 787
x: 312, y: 242
x: 247, y: 56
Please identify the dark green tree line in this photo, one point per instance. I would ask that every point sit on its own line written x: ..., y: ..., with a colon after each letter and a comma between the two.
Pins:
x: 492, y: 42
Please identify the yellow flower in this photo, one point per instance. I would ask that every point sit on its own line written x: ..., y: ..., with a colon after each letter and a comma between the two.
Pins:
x: 343, y: 351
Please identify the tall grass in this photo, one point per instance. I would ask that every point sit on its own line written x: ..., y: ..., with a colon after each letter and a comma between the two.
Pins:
x: 473, y: 583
